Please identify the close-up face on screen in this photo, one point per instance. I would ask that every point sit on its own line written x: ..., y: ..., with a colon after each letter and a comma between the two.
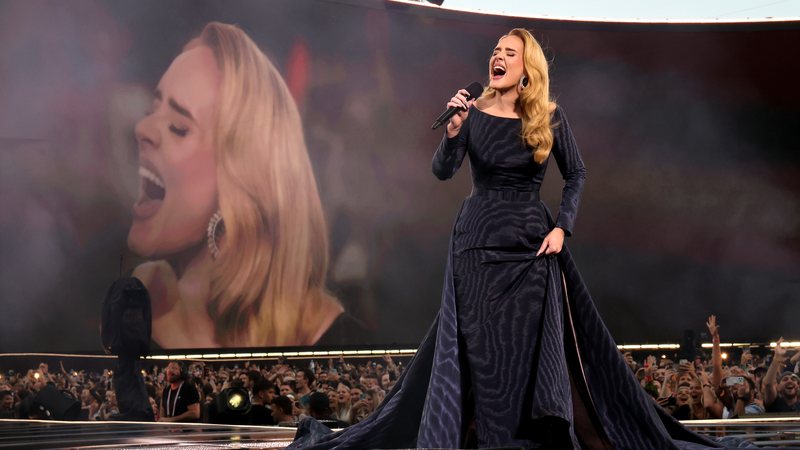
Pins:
x: 264, y: 168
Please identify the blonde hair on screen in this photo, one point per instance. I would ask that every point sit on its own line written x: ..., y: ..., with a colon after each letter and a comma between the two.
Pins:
x: 268, y: 284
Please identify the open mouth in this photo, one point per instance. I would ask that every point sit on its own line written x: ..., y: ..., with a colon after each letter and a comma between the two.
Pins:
x: 151, y: 193
x: 152, y: 184
x: 498, y: 71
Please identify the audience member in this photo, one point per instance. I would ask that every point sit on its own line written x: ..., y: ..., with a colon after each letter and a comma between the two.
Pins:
x: 745, y: 401
x: 7, y: 405
x: 780, y: 393
x: 261, y: 411
x: 343, y: 402
x: 304, y: 381
x: 320, y: 409
x: 95, y: 402
x: 249, y: 379
x: 180, y: 401
x: 154, y: 405
x: 287, y: 389
x: 282, y: 410
x: 683, y: 402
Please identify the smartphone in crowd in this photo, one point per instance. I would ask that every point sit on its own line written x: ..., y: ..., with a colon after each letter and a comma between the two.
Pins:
x: 732, y: 381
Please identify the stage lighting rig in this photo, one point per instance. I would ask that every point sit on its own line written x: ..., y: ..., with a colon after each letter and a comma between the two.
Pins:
x: 232, y: 407
x: 236, y: 400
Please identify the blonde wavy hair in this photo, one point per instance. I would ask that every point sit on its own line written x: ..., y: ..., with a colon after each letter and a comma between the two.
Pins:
x: 268, y: 282
x: 534, y: 99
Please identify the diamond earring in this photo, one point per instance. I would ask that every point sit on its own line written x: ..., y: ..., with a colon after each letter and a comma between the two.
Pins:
x: 216, y: 228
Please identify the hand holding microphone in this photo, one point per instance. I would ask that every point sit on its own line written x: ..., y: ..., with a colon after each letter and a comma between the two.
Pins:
x: 457, y: 108
x: 460, y: 105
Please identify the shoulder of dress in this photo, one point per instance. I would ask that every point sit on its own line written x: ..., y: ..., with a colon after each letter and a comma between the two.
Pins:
x: 558, y: 118
x: 558, y: 110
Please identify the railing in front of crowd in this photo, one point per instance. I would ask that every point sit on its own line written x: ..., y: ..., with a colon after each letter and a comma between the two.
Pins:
x: 763, y: 430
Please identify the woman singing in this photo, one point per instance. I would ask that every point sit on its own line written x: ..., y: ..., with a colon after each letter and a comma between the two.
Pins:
x: 518, y: 348
x: 228, y: 211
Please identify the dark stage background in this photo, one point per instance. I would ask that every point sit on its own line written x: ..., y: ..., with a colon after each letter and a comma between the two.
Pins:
x: 689, y: 134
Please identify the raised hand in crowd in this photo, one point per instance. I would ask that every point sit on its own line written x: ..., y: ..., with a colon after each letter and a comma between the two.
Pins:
x: 746, y: 359
x: 794, y: 359
x: 716, y: 352
x: 770, y: 388
x: 713, y: 329
x: 669, y: 385
x: 746, y: 403
x: 688, y: 368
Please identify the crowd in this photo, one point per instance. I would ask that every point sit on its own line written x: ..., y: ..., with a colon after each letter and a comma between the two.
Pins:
x: 342, y: 393
x: 337, y: 391
x: 745, y: 384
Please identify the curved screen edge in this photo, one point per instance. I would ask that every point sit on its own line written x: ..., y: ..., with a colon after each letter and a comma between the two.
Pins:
x: 550, y: 11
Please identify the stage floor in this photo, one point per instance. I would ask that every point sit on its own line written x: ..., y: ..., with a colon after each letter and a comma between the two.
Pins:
x: 30, y: 434
x: 39, y: 434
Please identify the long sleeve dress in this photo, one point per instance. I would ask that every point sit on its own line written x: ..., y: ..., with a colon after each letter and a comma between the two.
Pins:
x: 518, y: 347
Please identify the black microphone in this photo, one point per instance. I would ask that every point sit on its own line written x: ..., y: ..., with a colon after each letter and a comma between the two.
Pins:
x: 475, y: 90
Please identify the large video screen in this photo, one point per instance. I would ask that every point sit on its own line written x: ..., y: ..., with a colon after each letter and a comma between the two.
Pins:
x: 278, y: 191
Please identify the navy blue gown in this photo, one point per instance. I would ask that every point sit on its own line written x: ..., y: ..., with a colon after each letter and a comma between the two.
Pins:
x: 517, y: 348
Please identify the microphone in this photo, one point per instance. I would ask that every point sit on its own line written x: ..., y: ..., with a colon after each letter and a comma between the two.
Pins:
x: 475, y: 90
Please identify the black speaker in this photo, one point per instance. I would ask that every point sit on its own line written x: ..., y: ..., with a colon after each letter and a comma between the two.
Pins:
x: 688, y: 346
x: 50, y: 403
x: 126, y: 318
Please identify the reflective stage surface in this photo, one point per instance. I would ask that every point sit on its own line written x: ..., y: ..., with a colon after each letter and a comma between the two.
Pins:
x: 30, y: 434
x: 34, y: 434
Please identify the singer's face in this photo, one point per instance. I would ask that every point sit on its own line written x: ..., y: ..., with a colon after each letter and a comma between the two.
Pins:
x: 177, y: 168
x: 506, y: 65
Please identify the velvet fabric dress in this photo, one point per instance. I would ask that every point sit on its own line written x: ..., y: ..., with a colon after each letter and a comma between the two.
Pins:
x: 517, y: 348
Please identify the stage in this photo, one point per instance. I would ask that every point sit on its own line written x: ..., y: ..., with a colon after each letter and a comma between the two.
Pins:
x: 39, y: 434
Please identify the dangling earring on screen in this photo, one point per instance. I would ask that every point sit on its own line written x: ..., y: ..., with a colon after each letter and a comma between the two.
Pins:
x: 216, y: 228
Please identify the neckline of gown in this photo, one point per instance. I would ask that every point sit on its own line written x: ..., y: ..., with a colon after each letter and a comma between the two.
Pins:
x: 493, y: 116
